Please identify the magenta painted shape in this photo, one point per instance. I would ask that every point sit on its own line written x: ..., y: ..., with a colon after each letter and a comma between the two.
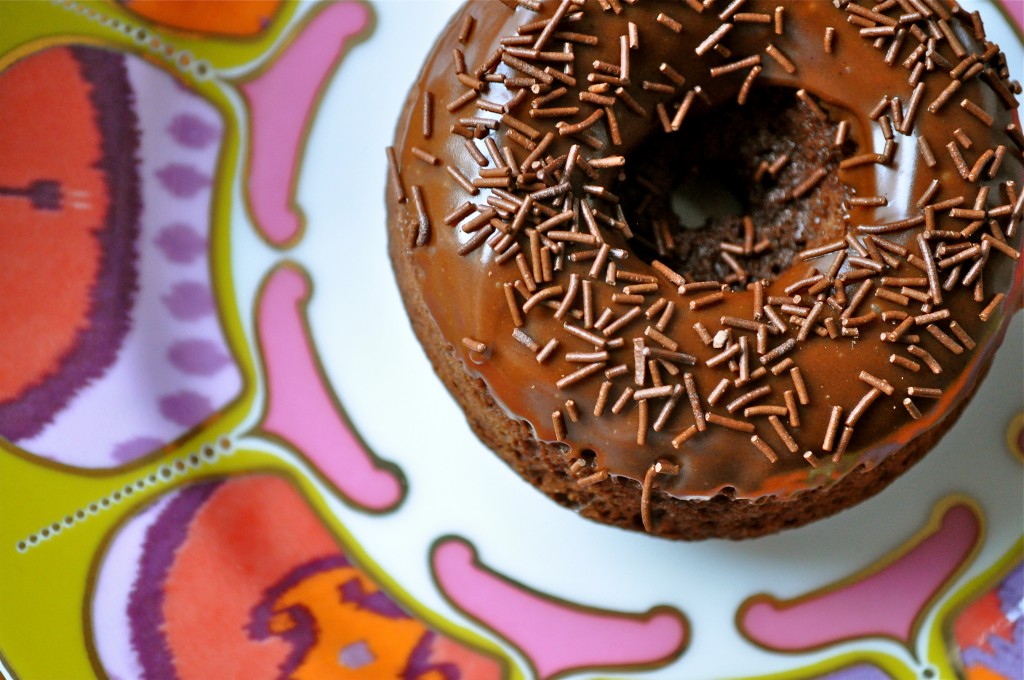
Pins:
x: 300, y: 407
x: 281, y: 101
x: 554, y: 635
x: 885, y: 603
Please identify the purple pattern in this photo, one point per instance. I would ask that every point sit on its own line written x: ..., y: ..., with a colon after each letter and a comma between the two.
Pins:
x: 146, y: 600
x: 164, y: 538
x: 302, y: 635
x: 1007, y: 656
x: 186, y: 408
x: 181, y: 243
x: 192, y: 132
x: 189, y: 300
x: 197, y: 357
x: 1011, y: 592
x: 419, y: 662
x: 356, y: 655
x: 129, y: 450
x: 376, y: 602
x: 861, y: 671
x: 113, y: 295
x: 184, y: 181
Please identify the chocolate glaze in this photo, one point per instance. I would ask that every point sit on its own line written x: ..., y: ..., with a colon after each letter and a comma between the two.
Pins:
x: 465, y: 296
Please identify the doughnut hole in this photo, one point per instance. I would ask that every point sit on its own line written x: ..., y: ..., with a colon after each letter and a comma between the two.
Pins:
x: 688, y: 191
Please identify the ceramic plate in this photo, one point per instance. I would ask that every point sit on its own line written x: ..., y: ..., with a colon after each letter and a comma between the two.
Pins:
x: 224, y: 454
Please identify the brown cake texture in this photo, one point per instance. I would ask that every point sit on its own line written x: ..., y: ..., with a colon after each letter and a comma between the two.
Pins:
x: 782, y: 352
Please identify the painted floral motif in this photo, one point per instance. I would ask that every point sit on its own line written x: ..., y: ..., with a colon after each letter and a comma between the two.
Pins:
x: 989, y: 633
x: 104, y: 250
x: 183, y: 593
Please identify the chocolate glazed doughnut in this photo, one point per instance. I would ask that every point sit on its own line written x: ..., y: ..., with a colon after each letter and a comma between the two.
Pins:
x: 770, y: 364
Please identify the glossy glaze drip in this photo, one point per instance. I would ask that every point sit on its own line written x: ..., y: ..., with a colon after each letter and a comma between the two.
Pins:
x: 466, y: 296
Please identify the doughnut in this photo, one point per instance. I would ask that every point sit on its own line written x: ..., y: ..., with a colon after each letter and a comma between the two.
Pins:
x: 709, y: 268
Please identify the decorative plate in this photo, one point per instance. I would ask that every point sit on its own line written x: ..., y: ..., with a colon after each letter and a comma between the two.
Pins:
x: 223, y: 453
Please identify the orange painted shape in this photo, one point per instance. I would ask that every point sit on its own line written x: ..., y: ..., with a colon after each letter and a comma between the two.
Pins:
x: 340, y: 624
x: 239, y: 18
x: 250, y: 535
x: 982, y: 621
x: 49, y: 259
x: 982, y: 673
x: 223, y: 568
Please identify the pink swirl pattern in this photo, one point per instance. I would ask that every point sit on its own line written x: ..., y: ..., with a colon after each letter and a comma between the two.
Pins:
x: 886, y: 603
x: 301, y: 410
x: 282, y: 100
x: 556, y: 636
